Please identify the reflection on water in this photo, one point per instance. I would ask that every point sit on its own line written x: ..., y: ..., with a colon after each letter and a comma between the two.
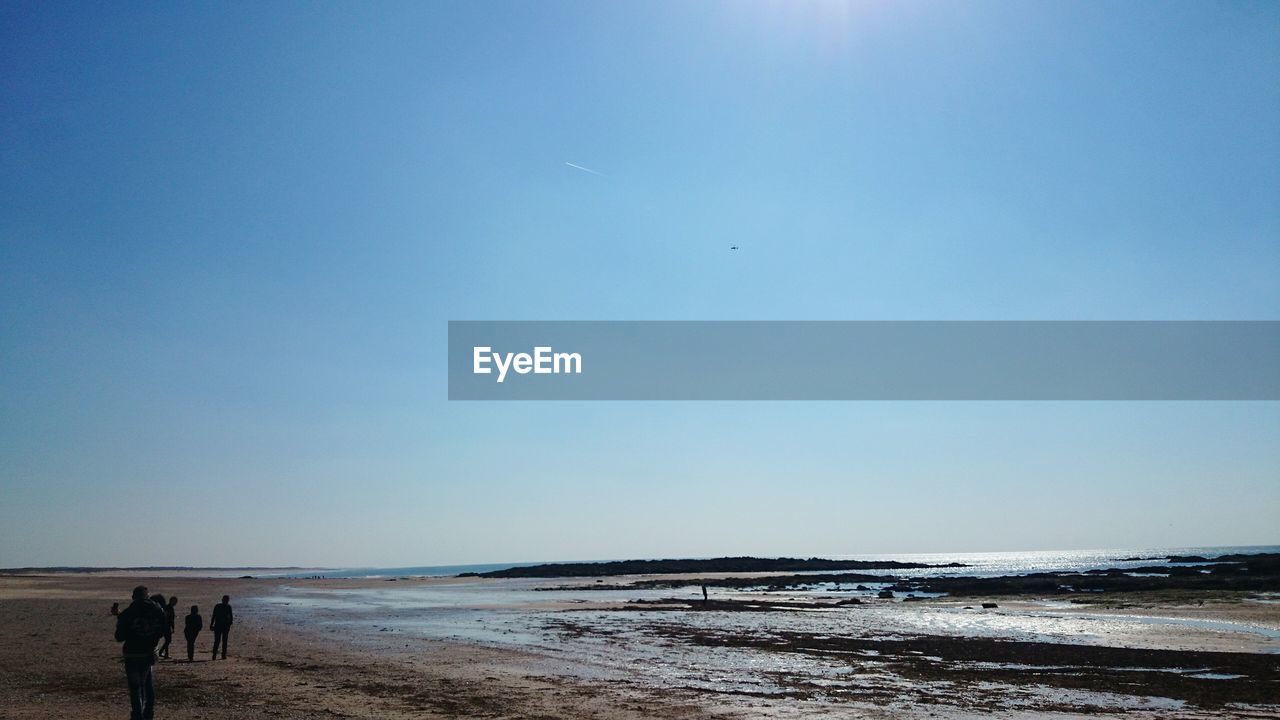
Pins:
x: 512, y: 611
x: 989, y: 564
x: 592, y: 638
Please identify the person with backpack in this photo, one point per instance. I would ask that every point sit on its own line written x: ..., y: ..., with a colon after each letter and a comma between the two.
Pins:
x: 140, y: 627
x: 158, y: 599
x: 220, y: 624
x: 170, y: 610
x: 194, y: 624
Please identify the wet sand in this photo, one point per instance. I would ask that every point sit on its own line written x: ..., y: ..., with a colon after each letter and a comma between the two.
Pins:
x: 58, y: 660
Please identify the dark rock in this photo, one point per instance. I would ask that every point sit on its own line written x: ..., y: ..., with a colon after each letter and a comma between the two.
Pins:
x: 712, y: 565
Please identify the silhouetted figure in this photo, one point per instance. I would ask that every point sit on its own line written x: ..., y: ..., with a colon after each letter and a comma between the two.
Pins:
x: 194, y: 624
x: 158, y: 599
x: 704, y: 595
x: 220, y: 624
x: 115, y: 609
x: 170, y: 611
x: 140, y: 627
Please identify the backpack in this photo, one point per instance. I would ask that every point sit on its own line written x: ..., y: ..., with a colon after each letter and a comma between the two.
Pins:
x: 149, y: 623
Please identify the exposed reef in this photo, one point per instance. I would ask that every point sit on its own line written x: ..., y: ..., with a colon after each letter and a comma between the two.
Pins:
x: 710, y: 565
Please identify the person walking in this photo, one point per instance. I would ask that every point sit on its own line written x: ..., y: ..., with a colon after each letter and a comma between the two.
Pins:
x: 220, y: 624
x: 140, y: 627
x: 170, y: 611
x: 194, y: 624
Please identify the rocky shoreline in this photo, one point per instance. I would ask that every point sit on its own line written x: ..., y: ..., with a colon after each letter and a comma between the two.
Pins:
x: 1230, y: 573
x: 707, y: 565
x: 968, y: 665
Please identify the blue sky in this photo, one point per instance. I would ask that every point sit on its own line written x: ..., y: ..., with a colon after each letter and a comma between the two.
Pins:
x: 231, y: 237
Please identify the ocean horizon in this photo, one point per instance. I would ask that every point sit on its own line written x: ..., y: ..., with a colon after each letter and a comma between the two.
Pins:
x: 984, y: 564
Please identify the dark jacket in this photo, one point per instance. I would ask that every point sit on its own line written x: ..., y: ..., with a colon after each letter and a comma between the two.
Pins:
x: 222, y: 617
x: 168, y: 616
x: 194, y: 625
x: 140, y: 627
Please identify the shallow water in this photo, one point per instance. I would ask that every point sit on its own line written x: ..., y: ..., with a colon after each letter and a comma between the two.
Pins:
x: 510, y: 611
x: 585, y: 634
x: 589, y: 637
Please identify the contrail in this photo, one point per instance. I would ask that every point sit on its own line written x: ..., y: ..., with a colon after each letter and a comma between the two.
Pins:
x: 584, y: 169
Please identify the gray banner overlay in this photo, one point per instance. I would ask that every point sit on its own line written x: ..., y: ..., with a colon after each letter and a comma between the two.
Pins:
x: 943, y: 360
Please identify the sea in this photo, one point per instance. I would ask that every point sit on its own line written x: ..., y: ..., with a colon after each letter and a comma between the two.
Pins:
x: 584, y: 633
x: 980, y: 564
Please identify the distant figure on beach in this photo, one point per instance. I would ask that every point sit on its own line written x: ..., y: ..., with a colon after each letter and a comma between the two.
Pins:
x: 194, y: 624
x: 704, y: 594
x: 140, y: 627
x: 158, y: 599
x: 220, y: 624
x: 170, y: 611
x: 115, y: 609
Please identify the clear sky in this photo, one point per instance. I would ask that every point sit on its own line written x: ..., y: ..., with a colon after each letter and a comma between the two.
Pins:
x: 231, y: 236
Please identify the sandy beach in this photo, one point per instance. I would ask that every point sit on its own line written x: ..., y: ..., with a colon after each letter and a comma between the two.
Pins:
x: 313, y: 649
x: 59, y: 661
